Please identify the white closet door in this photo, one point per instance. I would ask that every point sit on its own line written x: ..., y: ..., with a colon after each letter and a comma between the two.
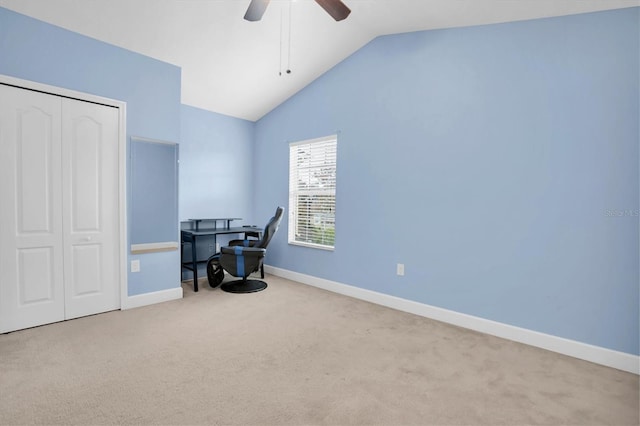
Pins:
x: 59, y: 208
x: 90, y: 207
x: 31, y: 250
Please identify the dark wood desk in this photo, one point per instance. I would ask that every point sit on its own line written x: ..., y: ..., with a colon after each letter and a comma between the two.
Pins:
x: 191, y: 236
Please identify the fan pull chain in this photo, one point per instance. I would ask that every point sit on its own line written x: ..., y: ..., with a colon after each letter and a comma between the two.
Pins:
x: 281, y: 25
x: 288, y: 70
x: 289, y: 48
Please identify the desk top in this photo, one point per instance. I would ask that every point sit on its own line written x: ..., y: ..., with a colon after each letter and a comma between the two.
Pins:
x: 216, y: 231
x: 214, y: 221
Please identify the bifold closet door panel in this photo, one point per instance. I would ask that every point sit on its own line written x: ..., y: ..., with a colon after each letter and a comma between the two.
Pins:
x: 59, y: 211
x: 90, y: 207
x: 31, y: 230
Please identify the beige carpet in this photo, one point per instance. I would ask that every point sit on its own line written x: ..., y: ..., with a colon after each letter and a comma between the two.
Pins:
x: 294, y: 355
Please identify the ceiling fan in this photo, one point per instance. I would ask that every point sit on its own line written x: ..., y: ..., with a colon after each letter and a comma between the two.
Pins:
x: 335, y: 8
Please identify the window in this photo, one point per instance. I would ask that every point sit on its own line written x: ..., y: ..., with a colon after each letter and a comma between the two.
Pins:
x: 312, y: 192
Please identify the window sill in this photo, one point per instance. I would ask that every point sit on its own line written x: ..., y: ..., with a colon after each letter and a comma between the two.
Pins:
x: 311, y: 245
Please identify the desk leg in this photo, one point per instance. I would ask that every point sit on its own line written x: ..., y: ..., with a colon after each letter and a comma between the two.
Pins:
x: 194, y: 264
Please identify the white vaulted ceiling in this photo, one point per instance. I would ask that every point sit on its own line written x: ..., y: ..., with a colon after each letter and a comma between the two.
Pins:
x: 232, y: 66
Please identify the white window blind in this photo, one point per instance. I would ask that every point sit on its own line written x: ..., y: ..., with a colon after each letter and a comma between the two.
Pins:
x: 312, y: 192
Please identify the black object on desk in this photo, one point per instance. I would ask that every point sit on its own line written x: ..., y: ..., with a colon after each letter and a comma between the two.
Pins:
x: 190, y: 236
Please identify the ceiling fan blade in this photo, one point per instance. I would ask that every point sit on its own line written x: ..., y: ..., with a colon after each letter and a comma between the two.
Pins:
x: 335, y: 8
x: 256, y: 10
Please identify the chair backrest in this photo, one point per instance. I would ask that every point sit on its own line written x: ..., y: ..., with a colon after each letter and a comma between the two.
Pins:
x: 270, y: 228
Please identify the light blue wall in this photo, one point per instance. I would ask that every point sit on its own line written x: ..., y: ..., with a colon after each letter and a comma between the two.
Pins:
x: 216, y: 157
x: 153, y: 186
x: 492, y: 161
x: 33, y: 50
x: 216, y: 171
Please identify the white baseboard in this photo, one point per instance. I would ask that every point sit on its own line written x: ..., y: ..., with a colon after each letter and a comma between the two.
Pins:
x: 596, y: 354
x: 145, y: 299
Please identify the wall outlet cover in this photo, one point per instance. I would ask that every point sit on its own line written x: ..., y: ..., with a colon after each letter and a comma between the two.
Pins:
x: 135, y: 265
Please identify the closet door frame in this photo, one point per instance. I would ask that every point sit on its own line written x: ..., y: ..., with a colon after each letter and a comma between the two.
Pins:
x: 122, y: 157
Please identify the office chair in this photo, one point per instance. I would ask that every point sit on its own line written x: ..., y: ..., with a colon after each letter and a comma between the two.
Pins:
x: 241, y: 258
x: 269, y: 230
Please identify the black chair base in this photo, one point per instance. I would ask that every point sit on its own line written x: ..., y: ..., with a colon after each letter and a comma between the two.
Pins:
x: 243, y: 286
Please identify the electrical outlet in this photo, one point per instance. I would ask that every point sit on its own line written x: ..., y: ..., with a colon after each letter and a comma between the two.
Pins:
x: 135, y: 266
x: 211, y: 248
x: 217, y: 247
x: 400, y: 269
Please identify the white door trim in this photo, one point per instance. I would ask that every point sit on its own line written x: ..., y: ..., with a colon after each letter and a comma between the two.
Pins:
x: 122, y: 158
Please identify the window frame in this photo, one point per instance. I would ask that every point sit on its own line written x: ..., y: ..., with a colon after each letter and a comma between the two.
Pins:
x: 295, y: 191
